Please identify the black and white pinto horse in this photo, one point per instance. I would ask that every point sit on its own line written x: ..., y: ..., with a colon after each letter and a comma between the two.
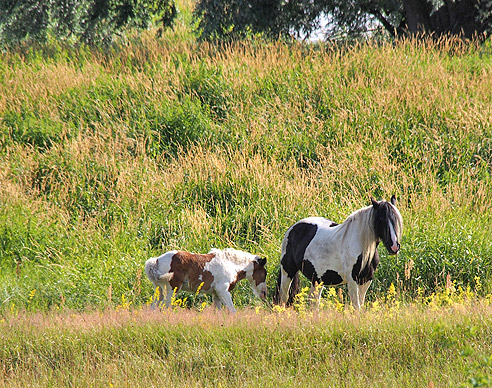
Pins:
x: 331, y: 254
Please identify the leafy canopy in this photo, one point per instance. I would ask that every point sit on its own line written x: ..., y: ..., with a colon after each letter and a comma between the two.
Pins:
x: 88, y: 21
x: 233, y: 19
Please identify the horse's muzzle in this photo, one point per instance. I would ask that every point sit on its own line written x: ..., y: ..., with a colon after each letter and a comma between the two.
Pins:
x: 394, y: 249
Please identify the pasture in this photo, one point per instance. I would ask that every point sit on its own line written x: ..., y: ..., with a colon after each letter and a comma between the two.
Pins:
x: 110, y: 158
x: 384, y: 347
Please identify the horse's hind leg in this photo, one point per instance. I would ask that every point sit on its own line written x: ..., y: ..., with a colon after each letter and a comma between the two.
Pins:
x: 284, y: 287
x: 226, y: 298
x: 169, y: 295
x: 157, y: 299
x: 217, y: 301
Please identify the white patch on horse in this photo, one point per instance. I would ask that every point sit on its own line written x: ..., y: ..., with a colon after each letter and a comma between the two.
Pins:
x: 394, y: 239
x: 337, y: 248
x: 218, y: 271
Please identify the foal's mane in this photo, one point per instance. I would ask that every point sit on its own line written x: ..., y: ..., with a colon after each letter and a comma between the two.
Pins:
x: 233, y: 255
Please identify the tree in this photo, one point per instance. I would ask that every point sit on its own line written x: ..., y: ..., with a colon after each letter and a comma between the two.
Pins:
x: 226, y: 19
x: 89, y: 21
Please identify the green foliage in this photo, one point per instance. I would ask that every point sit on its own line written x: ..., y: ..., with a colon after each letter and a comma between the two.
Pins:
x: 89, y: 21
x: 232, y: 19
x: 228, y: 20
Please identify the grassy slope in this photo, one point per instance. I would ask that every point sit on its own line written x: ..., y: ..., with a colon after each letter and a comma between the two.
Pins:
x: 106, y: 160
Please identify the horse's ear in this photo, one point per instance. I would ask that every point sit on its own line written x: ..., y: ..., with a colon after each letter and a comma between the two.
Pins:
x: 393, y: 199
x: 261, y: 261
x: 374, y: 202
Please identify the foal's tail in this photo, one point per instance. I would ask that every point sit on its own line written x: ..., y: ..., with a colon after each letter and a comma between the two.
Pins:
x: 153, y: 273
x: 293, y: 289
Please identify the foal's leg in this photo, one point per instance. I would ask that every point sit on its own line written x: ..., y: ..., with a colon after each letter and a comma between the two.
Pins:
x: 217, y: 302
x: 169, y: 296
x: 353, y: 290
x: 226, y: 298
x: 156, y: 302
x: 362, y: 292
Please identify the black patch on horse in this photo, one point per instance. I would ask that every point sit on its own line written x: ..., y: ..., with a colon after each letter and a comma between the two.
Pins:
x: 331, y: 278
x: 362, y: 276
x: 299, y: 238
x: 308, y: 270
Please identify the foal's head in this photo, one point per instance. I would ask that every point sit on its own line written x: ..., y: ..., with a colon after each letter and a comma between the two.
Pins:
x: 388, y: 224
x: 256, y: 274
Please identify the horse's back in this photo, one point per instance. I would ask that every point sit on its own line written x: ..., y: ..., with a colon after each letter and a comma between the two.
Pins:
x: 303, y: 231
x: 320, y: 222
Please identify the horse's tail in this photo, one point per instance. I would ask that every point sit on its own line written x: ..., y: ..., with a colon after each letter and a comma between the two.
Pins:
x: 153, y: 273
x: 166, y: 277
x: 293, y: 289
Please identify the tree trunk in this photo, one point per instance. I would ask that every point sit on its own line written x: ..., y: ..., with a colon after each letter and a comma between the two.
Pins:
x: 458, y: 17
x: 455, y: 17
x: 417, y: 14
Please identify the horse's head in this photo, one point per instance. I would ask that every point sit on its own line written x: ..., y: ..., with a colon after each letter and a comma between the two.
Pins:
x: 388, y: 224
x: 257, y: 277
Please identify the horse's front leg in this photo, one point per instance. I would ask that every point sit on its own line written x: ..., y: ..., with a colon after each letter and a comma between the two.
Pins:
x: 285, y: 283
x: 315, y: 293
x: 353, y: 290
x: 362, y: 292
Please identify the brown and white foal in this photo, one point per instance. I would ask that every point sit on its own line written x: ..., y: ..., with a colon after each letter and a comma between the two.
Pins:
x: 217, y: 272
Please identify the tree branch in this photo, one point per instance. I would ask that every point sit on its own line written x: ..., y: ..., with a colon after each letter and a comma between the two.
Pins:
x: 386, y: 24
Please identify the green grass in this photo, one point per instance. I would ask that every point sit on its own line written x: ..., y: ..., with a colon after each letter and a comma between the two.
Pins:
x: 404, y: 347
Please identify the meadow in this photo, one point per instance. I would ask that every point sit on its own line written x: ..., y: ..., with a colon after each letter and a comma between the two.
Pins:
x: 388, y: 346
x: 110, y: 157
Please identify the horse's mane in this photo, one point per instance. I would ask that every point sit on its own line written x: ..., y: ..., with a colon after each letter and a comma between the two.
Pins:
x: 364, y: 217
x: 233, y: 255
x: 366, y: 229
